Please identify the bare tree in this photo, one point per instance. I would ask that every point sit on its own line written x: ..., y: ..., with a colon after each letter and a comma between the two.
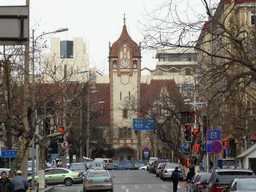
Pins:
x: 224, y: 35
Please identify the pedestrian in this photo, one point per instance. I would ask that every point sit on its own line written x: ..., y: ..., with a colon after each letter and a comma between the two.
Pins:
x: 5, y: 183
x: 190, y: 174
x: 19, y: 182
x: 175, y: 179
x: 54, y: 165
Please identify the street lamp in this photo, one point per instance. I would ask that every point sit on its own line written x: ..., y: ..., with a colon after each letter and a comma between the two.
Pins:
x: 34, y: 101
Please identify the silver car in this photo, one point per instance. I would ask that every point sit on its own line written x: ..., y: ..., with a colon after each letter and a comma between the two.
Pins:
x: 97, y: 180
x: 242, y: 185
x: 159, y: 167
x: 168, y: 169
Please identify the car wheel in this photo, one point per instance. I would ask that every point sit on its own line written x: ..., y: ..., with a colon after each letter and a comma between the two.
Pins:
x: 68, y: 182
x: 164, y: 179
x: 157, y: 175
x: 111, y: 190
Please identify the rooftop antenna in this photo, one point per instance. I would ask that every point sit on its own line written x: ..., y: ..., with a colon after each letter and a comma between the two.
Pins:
x: 124, y: 19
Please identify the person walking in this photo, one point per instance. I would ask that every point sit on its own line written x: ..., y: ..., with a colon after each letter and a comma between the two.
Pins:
x: 20, y: 183
x: 5, y: 183
x: 175, y: 179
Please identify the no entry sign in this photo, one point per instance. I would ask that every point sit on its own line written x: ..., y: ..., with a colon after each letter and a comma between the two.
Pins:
x: 216, y: 147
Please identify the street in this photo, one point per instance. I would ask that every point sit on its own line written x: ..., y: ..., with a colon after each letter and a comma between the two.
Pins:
x: 130, y: 181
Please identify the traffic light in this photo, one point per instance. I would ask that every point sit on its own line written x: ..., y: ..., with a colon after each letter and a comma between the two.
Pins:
x: 188, y: 117
x: 61, y: 128
x: 197, y: 147
x: 205, y: 123
x: 1, y: 131
x: 187, y: 133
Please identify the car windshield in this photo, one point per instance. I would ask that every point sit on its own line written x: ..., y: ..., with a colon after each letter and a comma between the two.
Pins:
x: 205, y: 176
x: 228, y: 176
x: 98, y: 174
x: 77, y: 166
x: 247, y: 185
x: 171, y: 166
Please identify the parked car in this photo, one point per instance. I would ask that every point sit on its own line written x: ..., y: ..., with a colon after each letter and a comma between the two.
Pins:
x: 96, y: 165
x: 139, y: 164
x: 150, y: 161
x: 221, y: 178
x: 101, y: 161
x: 109, y: 163
x: 60, y: 175
x: 124, y: 165
x: 199, y: 182
x: 242, y: 185
x: 167, y: 170
x: 143, y: 168
x: 78, y: 167
x: 98, y: 180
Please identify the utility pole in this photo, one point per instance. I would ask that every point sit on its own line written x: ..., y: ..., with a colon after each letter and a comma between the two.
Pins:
x: 24, y: 167
x: 63, y: 158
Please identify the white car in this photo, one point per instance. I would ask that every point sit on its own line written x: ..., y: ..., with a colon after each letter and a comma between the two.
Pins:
x: 143, y: 168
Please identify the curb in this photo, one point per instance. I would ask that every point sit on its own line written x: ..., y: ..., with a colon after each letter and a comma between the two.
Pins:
x: 48, y: 189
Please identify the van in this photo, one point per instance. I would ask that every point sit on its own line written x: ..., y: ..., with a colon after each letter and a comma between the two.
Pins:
x: 109, y: 163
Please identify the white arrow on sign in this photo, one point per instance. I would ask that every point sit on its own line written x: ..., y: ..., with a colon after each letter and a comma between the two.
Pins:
x: 64, y: 145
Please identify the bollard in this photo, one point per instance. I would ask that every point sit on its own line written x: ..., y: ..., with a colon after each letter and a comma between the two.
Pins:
x: 37, y: 187
x: 45, y: 184
x: 30, y: 189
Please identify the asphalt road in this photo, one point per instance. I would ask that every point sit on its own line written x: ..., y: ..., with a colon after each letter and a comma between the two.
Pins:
x: 130, y: 181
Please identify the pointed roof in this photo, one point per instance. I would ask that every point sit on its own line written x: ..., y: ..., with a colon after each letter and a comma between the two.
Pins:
x: 125, y: 37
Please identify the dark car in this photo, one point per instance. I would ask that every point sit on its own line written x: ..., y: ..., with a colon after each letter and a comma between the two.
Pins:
x: 242, y: 185
x: 199, y: 182
x: 221, y: 178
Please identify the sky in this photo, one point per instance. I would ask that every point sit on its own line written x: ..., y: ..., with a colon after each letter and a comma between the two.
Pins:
x: 98, y: 22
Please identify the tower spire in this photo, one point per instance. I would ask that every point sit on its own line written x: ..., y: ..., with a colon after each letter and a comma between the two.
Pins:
x: 124, y: 19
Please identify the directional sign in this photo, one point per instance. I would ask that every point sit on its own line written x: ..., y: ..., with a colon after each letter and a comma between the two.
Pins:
x: 64, y: 145
x: 184, y: 147
x: 9, y: 154
x: 212, y: 135
x: 216, y: 147
x: 143, y: 124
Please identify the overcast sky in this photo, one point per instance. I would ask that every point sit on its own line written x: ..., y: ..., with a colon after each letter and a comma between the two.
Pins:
x: 97, y: 21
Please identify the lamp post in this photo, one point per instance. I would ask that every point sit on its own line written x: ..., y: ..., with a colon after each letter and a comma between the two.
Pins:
x: 33, y: 99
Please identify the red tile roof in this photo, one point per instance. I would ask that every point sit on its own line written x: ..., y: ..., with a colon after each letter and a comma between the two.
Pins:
x: 150, y: 92
x: 124, y: 38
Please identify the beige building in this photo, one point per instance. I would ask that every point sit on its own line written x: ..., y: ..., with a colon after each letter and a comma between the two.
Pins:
x: 70, y: 53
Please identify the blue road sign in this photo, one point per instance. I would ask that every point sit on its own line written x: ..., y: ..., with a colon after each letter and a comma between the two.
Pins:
x: 143, y: 124
x: 146, y: 154
x: 9, y: 154
x: 212, y: 135
x: 184, y: 147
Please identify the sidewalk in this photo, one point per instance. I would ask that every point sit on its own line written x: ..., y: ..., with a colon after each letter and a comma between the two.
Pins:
x: 48, y: 189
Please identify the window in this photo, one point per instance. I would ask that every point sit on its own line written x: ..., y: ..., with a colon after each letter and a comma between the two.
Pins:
x: 66, y: 49
x: 120, y: 96
x: 125, y: 133
x: 134, y: 64
x: 253, y: 17
x: 114, y: 64
x: 125, y: 113
x: 121, y: 133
